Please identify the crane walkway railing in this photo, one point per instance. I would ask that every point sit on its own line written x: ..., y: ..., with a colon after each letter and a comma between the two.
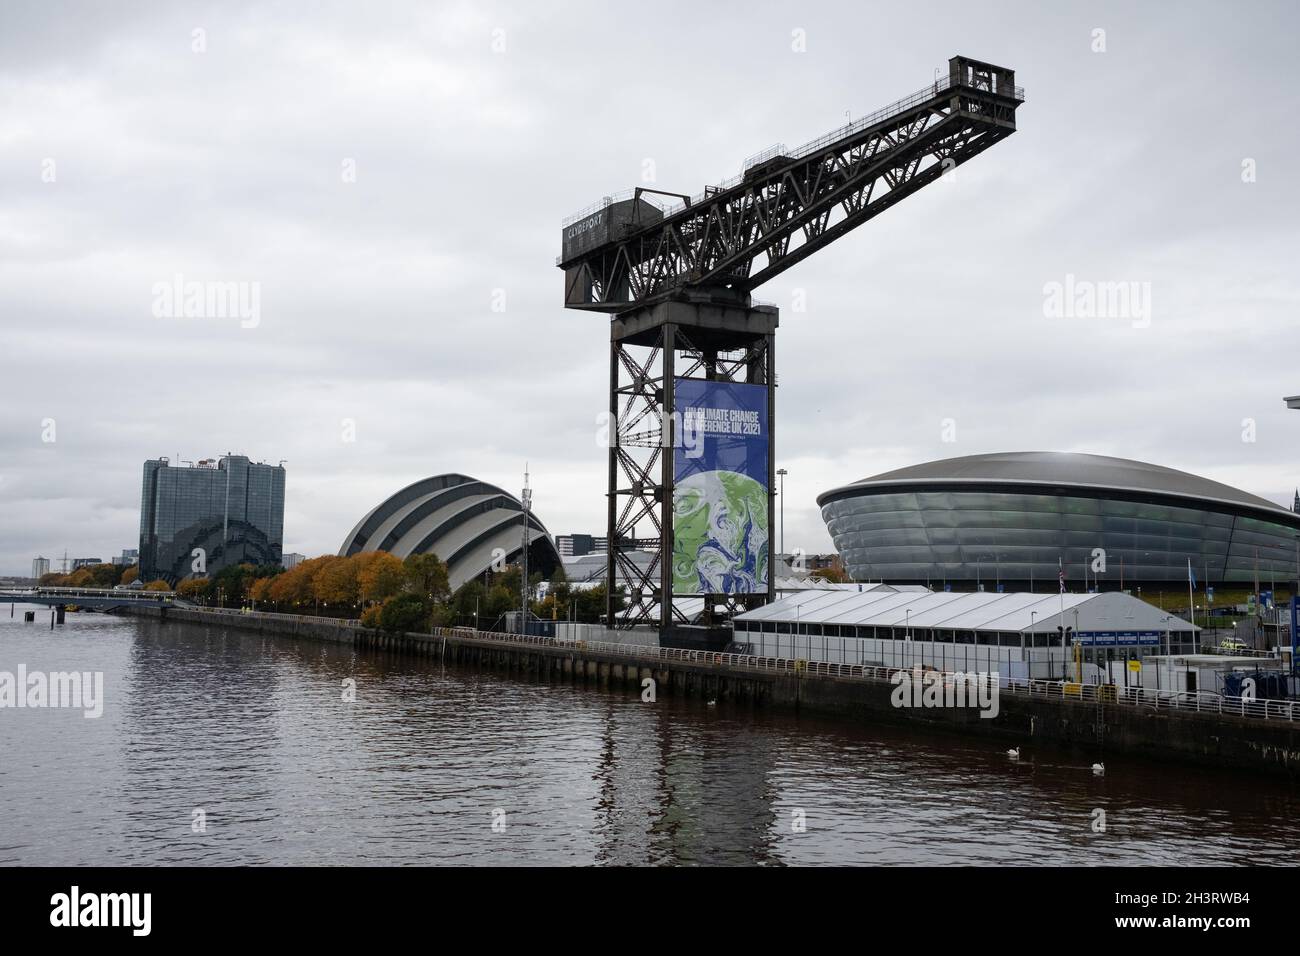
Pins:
x: 672, y: 207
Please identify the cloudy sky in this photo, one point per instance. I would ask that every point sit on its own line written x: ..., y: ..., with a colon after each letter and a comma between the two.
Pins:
x: 385, y: 172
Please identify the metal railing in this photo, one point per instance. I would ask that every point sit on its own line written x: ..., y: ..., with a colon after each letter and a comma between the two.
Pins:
x: 763, y: 155
x: 672, y: 207
x: 276, y: 615
x: 125, y: 593
x: 1170, y: 701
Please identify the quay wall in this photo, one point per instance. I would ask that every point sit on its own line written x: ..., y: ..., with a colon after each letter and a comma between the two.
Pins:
x: 1093, y: 728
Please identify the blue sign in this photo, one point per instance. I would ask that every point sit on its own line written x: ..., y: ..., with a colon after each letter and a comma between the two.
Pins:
x: 721, y: 490
x: 1115, y: 638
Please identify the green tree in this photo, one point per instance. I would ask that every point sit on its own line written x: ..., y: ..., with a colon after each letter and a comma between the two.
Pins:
x: 405, y: 612
x: 590, y: 603
x: 232, y: 584
x: 561, y: 591
x: 509, y: 579
x: 470, y: 597
x: 426, y: 576
x: 499, y: 600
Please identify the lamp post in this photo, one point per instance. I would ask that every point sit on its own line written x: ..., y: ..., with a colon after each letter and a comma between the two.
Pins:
x: 1077, y: 676
x: 781, y: 473
x: 1030, y: 662
x: 526, y: 501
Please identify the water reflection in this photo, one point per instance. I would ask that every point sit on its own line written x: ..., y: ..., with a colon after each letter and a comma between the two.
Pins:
x: 255, y: 733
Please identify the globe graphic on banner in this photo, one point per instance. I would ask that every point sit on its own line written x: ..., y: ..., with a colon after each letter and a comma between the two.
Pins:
x: 719, y: 534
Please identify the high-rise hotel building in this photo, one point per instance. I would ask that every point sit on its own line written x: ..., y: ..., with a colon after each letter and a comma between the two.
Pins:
x: 209, y: 515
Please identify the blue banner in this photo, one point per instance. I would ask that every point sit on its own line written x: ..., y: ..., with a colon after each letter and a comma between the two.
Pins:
x: 720, y: 499
x: 1145, y: 638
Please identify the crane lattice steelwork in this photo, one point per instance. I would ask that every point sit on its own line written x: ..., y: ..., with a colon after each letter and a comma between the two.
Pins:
x: 679, y: 275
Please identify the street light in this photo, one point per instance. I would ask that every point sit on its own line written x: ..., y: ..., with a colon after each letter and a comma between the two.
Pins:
x: 781, y: 473
x: 1077, y: 676
x: 1029, y: 662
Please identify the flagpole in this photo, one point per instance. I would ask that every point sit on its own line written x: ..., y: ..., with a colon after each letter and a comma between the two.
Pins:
x: 1191, y: 601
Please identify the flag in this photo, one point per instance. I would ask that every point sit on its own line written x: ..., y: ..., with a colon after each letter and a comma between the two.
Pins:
x: 1061, y: 575
x: 1191, y: 575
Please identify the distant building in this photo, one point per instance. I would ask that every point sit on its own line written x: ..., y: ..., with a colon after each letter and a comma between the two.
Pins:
x: 85, y: 562
x: 574, y: 545
x: 128, y: 557
x: 217, y: 513
x: 40, y: 566
x: 577, y: 545
x: 292, y: 560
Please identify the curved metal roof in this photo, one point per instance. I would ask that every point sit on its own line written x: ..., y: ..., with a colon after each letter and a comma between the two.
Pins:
x: 1063, y: 472
x: 460, y: 519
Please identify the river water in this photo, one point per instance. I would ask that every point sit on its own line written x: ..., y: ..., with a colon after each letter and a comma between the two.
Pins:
x: 218, y: 747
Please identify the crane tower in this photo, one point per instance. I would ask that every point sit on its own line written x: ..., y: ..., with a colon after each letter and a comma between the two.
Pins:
x: 692, y: 370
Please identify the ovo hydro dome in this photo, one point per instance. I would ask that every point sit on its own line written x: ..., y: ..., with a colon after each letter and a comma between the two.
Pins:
x: 1006, y: 520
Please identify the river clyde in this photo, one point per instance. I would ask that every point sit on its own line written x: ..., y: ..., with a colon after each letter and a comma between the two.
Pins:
x: 218, y: 747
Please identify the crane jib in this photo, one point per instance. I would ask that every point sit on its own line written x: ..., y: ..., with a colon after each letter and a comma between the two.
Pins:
x: 785, y: 204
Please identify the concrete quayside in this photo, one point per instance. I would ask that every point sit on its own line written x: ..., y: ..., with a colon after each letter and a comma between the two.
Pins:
x: 1097, y: 720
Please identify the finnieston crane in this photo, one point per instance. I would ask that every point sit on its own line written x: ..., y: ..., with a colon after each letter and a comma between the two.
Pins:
x: 678, y: 273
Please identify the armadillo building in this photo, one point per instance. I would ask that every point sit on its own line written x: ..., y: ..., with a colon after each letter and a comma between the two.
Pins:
x: 466, y: 522
x: 1005, y: 520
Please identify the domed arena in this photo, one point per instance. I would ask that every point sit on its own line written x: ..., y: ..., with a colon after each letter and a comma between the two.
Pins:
x: 466, y: 522
x: 1015, y: 520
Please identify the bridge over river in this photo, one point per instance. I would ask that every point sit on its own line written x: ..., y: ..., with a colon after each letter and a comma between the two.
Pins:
x: 97, y: 598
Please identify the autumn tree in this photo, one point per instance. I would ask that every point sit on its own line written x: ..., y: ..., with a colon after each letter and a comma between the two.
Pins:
x: 337, y: 582
x: 381, y: 576
x: 80, y: 578
x: 194, y: 589
x: 259, y: 591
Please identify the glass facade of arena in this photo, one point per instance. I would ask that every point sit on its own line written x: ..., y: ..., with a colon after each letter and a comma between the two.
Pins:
x: 1011, y: 536
x: 233, y: 510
